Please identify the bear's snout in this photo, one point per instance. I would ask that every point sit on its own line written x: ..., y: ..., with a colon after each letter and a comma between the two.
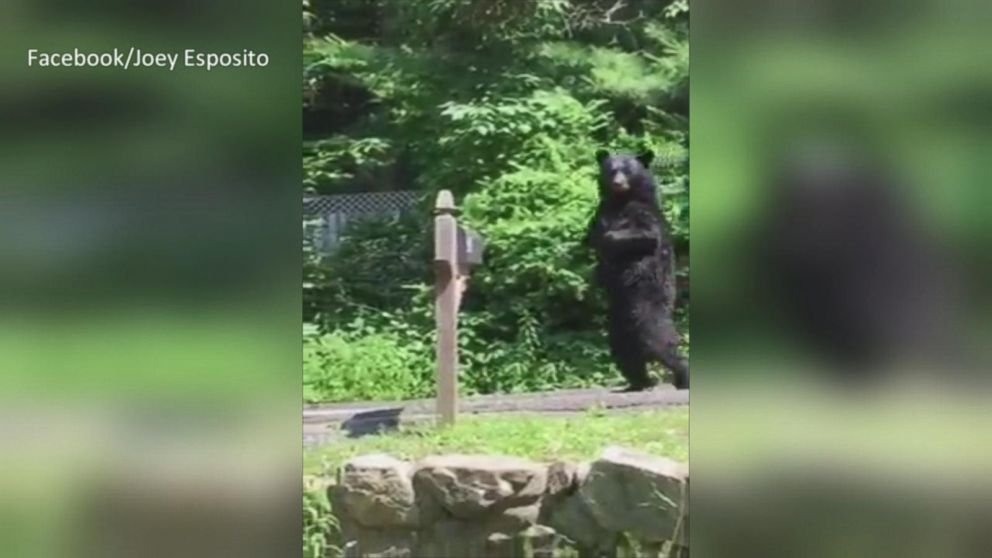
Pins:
x: 619, y: 183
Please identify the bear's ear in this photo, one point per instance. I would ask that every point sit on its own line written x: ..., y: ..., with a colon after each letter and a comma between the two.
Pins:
x: 601, y: 155
x: 646, y: 157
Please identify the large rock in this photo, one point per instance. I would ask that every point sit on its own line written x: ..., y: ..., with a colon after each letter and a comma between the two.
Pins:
x: 377, y: 491
x: 642, y: 494
x: 512, y: 520
x: 501, y: 535
x: 572, y: 518
x: 500, y: 545
x: 467, y: 486
x: 451, y: 538
x: 377, y: 543
x: 537, y: 541
x: 562, y: 480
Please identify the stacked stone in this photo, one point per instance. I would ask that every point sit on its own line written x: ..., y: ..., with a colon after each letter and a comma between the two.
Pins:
x: 462, y: 506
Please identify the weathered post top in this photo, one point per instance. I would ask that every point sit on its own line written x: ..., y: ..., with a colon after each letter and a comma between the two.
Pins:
x: 445, y: 229
x: 444, y: 204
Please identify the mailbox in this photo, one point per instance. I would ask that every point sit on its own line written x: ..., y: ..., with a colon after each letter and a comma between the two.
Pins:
x: 470, y: 247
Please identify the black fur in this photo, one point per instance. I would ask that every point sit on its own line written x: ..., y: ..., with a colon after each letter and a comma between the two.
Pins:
x: 636, y: 268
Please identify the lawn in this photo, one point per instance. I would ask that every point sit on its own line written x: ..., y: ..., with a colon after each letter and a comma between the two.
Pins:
x: 538, y: 437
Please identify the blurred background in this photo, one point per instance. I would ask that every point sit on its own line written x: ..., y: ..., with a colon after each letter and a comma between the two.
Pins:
x: 149, y: 273
x: 840, y: 278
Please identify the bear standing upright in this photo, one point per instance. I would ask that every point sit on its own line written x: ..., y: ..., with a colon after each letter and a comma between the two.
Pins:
x: 636, y: 268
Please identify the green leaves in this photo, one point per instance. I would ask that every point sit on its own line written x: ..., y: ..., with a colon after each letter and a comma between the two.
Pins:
x: 366, y: 364
x: 638, y: 76
x: 320, y: 527
x: 330, y: 164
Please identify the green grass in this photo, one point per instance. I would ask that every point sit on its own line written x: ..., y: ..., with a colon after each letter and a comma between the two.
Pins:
x: 542, y: 438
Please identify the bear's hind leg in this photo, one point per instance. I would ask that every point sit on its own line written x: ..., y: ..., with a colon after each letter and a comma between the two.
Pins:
x: 635, y: 370
x: 678, y: 366
x: 631, y: 361
x: 662, y: 346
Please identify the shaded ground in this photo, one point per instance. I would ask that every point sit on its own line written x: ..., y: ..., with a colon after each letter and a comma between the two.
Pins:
x: 327, y: 423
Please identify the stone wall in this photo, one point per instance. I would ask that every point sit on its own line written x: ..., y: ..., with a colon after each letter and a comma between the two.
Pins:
x: 462, y: 506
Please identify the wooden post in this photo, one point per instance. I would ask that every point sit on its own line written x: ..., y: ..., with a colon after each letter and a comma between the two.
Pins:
x: 447, y: 297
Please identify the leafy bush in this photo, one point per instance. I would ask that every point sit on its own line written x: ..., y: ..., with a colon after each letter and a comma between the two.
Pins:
x: 484, y: 138
x: 363, y: 363
x: 379, y: 265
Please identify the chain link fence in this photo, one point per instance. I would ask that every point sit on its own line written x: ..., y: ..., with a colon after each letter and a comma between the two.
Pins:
x: 326, y: 217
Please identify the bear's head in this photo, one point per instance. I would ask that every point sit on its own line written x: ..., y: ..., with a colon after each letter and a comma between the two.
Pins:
x: 625, y: 177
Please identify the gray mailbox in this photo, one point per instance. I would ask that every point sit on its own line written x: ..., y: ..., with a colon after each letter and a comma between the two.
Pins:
x: 470, y: 247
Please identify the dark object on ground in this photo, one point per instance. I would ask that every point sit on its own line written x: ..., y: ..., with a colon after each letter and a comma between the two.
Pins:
x: 636, y: 268
x: 372, y: 422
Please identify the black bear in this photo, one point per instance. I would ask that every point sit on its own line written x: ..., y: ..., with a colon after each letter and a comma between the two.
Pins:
x: 860, y: 283
x: 635, y: 266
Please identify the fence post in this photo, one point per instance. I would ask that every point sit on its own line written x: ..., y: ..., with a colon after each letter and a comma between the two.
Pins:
x: 446, y: 301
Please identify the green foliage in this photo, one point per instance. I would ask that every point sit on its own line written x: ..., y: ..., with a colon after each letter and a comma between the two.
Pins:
x: 378, y: 266
x: 319, y: 526
x: 340, y: 159
x: 526, y: 358
x: 487, y: 137
x: 503, y: 102
x: 532, y: 221
x: 362, y: 362
x: 607, y: 71
x: 481, y: 23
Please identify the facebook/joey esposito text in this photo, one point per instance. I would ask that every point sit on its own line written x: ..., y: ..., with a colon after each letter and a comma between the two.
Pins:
x: 132, y: 57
